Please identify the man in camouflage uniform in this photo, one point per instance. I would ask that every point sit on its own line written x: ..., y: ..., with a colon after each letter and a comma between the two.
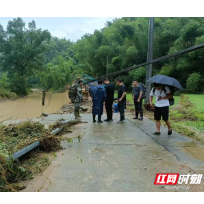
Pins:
x: 78, y: 100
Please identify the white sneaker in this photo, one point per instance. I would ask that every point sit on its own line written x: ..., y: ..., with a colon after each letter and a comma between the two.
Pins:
x: 120, y: 121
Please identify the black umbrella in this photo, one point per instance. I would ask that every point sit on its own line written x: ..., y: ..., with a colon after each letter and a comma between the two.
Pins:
x: 161, y: 79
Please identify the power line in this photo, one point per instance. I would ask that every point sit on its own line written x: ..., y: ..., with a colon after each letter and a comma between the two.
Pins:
x: 181, y: 52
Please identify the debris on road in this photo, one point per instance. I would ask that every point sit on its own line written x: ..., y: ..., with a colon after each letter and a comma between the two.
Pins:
x: 15, y: 137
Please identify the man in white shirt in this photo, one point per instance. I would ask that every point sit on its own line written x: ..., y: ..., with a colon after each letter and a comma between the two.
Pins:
x: 162, y: 94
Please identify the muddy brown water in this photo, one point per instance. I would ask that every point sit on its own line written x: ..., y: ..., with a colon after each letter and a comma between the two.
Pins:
x: 31, y: 106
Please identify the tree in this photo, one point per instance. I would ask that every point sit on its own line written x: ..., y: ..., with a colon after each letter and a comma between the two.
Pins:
x: 56, y: 74
x: 29, y: 52
x: 194, y: 83
x: 22, y: 52
x: 125, y: 42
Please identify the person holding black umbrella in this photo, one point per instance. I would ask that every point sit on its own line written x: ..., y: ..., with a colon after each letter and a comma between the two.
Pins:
x: 164, y: 98
x: 162, y: 94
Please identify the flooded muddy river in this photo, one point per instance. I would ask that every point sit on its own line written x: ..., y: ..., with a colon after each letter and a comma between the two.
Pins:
x: 31, y: 106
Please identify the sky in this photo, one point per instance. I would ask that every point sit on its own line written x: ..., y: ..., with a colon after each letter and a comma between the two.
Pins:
x: 72, y: 28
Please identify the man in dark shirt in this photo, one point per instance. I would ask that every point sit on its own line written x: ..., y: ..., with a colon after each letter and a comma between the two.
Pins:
x: 110, y: 88
x: 121, y: 99
x: 137, y: 97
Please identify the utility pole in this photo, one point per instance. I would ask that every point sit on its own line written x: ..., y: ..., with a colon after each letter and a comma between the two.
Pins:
x: 43, y: 97
x: 107, y: 66
x: 149, y: 57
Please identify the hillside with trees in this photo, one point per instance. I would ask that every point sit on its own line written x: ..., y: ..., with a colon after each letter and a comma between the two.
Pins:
x: 30, y: 56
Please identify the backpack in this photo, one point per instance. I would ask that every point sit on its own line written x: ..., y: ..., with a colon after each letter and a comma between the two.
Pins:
x: 143, y: 90
x: 73, y: 93
x: 171, y: 100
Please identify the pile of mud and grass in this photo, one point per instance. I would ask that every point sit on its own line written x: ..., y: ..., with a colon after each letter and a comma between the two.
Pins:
x: 184, y: 111
x: 15, y: 137
x: 182, y: 115
x: 86, y: 107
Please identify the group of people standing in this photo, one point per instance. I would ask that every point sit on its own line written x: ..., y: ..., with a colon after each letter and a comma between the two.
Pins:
x: 103, y: 94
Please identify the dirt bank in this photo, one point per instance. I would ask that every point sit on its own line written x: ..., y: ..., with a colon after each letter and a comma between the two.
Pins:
x: 87, y: 104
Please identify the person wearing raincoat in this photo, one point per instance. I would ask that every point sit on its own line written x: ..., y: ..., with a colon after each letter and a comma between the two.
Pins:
x: 99, y: 97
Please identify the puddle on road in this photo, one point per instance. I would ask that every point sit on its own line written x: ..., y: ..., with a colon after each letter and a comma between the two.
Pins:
x: 196, y: 152
x: 189, y: 144
x: 194, y: 149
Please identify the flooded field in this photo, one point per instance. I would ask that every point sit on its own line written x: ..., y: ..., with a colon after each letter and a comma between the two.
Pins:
x: 31, y: 106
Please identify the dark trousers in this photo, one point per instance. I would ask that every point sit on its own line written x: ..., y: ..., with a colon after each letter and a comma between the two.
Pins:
x: 99, y: 117
x: 121, y: 108
x: 138, y: 108
x: 109, y: 110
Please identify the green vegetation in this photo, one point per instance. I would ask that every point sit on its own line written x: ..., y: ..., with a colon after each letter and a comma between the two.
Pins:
x: 129, y: 97
x: 34, y: 58
x: 186, y: 116
x: 5, y: 92
x: 21, y: 53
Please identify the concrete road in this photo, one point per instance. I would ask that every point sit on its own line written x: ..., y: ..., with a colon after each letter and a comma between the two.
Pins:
x: 119, y: 158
